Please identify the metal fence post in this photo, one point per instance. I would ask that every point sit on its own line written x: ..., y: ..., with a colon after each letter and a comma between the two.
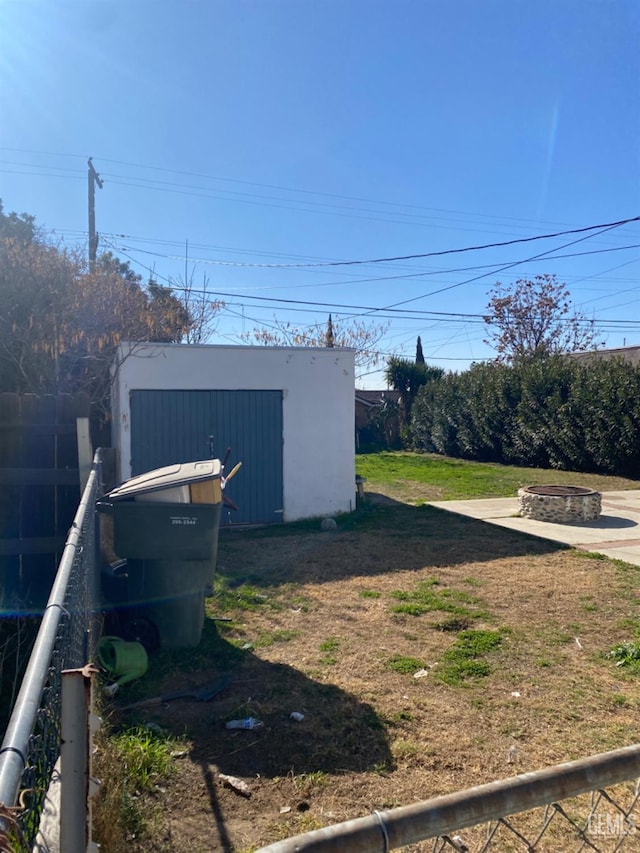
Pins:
x: 75, y: 759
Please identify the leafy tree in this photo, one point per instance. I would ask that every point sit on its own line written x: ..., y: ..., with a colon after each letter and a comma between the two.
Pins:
x: 60, y: 326
x: 101, y: 311
x: 407, y: 377
x: 354, y: 334
x: 34, y: 284
x: 20, y: 227
x: 534, y: 318
x: 419, y: 353
x: 110, y: 264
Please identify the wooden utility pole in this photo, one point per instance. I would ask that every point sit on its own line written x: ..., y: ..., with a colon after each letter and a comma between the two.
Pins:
x: 94, y: 178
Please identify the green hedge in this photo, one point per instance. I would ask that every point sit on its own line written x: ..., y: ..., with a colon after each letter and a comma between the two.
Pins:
x: 545, y: 413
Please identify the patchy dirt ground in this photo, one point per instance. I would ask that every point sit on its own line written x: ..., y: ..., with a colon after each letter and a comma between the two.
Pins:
x: 323, y: 623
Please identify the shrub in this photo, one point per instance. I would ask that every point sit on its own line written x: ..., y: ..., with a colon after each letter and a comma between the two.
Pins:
x: 548, y: 412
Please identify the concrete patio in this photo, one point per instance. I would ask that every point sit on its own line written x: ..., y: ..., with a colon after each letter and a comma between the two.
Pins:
x: 615, y: 534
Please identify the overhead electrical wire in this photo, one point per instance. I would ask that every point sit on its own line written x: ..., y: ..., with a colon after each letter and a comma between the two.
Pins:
x: 194, y: 259
x: 206, y: 192
x: 603, y: 228
x: 334, y: 306
x: 312, y: 340
x: 197, y: 260
x: 404, y: 276
x: 397, y: 313
x: 259, y: 322
x: 379, y: 353
x: 253, y: 199
x: 278, y: 187
x: 393, y: 309
x: 415, y: 256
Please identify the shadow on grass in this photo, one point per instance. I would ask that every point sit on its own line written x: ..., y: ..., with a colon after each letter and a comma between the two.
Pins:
x: 338, y: 734
x: 379, y: 537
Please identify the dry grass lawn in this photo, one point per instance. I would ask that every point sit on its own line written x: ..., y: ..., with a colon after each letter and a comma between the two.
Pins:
x: 335, y: 625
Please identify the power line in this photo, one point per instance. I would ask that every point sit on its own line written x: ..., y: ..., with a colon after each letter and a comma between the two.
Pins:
x: 38, y: 166
x: 505, y: 267
x: 204, y: 192
x: 215, y: 193
x: 607, y: 226
x: 362, y: 280
x: 396, y: 313
x: 388, y: 278
x: 278, y: 187
x: 41, y: 174
x: 623, y: 325
x: 338, y: 263
x: 216, y: 248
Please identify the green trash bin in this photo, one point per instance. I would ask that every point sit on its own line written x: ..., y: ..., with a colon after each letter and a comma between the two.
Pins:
x: 170, y: 541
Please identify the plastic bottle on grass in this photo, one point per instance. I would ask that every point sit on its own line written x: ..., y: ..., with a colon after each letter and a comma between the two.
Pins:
x: 248, y: 723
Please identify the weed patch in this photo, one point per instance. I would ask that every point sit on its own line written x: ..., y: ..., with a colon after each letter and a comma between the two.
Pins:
x: 130, y: 762
x: 427, y: 598
x: 268, y: 638
x: 404, y: 665
x: 370, y: 593
x: 241, y: 597
x: 465, y: 659
x: 627, y: 655
x: 329, y: 647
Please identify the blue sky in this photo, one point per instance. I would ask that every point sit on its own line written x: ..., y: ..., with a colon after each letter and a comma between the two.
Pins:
x: 299, y: 131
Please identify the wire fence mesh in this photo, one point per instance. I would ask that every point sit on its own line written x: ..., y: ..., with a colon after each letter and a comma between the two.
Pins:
x: 588, y: 804
x: 66, y: 640
x: 602, y: 821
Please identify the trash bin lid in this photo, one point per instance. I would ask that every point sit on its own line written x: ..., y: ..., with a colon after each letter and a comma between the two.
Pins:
x: 180, y: 474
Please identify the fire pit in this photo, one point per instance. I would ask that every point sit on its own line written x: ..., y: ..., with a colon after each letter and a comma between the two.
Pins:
x: 560, y: 504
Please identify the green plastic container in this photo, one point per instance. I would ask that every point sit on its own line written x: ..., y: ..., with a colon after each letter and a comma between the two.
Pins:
x: 125, y: 661
x: 160, y: 531
x: 171, y: 551
x: 171, y: 594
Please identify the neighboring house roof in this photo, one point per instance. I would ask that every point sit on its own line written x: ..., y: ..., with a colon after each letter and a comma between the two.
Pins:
x: 374, y: 398
x: 630, y: 354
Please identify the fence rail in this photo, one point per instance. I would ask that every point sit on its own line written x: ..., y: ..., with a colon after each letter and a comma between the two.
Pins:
x: 65, y: 640
x: 604, y: 822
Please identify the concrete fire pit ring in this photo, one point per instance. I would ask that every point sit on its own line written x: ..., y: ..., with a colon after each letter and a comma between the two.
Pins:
x: 560, y: 504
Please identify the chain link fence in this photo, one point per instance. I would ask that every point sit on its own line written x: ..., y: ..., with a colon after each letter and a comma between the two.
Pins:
x: 601, y: 821
x: 65, y: 640
x: 577, y: 806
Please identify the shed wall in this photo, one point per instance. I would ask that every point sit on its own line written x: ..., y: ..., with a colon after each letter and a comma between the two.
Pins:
x: 317, y: 409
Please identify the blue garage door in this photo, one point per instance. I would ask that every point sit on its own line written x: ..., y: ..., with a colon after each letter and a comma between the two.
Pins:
x: 184, y: 426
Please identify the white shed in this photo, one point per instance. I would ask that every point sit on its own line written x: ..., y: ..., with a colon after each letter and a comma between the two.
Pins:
x: 286, y: 412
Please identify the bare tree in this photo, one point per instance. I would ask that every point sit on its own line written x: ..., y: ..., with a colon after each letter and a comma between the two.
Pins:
x: 353, y: 334
x: 535, y: 317
x: 201, y: 307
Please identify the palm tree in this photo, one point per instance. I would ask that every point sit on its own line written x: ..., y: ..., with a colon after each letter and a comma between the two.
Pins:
x: 407, y: 378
